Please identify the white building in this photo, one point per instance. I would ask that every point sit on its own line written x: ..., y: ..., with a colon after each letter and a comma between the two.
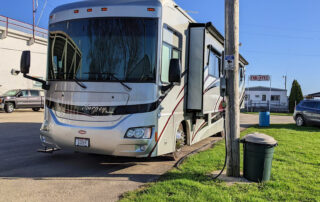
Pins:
x: 16, y: 37
x: 258, y: 99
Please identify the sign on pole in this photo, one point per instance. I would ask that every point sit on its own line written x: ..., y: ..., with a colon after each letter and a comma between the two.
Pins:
x: 260, y: 78
x: 229, y: 62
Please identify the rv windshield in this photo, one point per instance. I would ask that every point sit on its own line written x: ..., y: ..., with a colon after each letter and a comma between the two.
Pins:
x: 102, y: 49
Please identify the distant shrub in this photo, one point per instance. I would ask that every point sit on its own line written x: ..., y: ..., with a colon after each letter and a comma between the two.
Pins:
x: 295, y: 95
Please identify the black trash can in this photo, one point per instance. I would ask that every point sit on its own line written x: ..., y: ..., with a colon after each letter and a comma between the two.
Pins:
x: 258, y: 152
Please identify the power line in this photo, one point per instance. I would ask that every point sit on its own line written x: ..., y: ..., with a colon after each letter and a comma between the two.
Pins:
x: 280, y: 36
x: 278, y: 28
x: 44, y: 6
x: 280, y: 53
x: 11, y: 49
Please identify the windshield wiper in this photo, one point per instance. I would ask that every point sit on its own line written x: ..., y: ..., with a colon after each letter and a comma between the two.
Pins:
x: 75, y: 79
x: 114, y: 77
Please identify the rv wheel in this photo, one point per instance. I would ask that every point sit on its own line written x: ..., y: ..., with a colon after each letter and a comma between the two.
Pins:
x: 222, y: 134
x: 180, y: 138
x: 180, y: 142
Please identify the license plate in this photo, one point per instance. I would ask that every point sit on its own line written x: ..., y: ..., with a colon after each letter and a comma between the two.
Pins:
x: 82, y: 142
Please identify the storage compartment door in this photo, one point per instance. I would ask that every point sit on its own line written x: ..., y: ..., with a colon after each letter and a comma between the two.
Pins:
x: 195, y: 69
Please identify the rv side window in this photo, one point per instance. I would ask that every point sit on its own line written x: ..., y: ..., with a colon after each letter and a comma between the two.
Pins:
x: 171, y: 48
x: 214, y: 63
x: 166, y: 56
x: 241, y: 75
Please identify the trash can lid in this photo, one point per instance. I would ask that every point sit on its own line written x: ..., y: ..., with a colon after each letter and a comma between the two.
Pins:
x: 259, y: 138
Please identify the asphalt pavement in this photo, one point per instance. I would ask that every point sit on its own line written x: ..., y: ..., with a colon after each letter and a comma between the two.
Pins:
x: 26, y: 175
x: 247, y: 120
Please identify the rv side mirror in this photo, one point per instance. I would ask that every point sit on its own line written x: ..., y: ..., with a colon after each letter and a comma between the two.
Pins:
x: 175, y: 71
x: 25, y: 62
x: 25, y: 68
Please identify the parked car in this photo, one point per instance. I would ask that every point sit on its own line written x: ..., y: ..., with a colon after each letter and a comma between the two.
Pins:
x: 307, y: 111
x: 22, y: 98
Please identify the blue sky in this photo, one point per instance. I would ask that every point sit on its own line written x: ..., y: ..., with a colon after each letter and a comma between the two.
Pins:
x: 278, y: 37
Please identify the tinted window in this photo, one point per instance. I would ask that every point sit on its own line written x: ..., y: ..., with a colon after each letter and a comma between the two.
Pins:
x: 264, y: 97
x: 171, y: 48
x: 11, y: 93
x: 241, y: 75
x: 34, y: 93
x: 309, y: 104
x: 275, y: 97
x: 214, y: 63
x: 23, y: 93
x: 102, y: 49
x: 166, y: 56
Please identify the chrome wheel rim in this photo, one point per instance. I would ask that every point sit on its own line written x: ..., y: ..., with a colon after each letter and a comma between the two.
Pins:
x: 10, y: 108
x: 299, y: 121
x: 180, y: 138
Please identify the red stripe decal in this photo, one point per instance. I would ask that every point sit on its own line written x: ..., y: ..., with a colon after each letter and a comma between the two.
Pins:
x: 194, y: 135
x: 216, y: 104
x: 181, y: 91
x: 206, y: 79
x: 209, y: 87
x: 165, y: 126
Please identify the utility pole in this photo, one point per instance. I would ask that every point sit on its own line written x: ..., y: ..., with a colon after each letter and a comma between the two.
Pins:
x: 285, y: 81
x: 232, y: 76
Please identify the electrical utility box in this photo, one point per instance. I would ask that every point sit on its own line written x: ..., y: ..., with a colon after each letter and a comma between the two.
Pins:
x: 204, y: 68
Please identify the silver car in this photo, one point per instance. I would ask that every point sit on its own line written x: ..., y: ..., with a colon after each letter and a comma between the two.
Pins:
x: 22, y: 98
x: 307, y: 112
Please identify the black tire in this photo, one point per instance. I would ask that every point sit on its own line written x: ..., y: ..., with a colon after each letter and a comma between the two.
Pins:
x: 300, y: 121
x: 9, y: 107
x: 36, y: 109
x: 222, y: 134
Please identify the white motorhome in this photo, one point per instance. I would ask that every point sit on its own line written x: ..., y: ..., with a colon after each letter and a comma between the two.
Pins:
x: 131, y: 78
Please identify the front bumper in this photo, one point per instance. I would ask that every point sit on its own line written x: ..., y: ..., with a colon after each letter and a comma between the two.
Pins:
x: 103, y: 140
x: 1, y: 105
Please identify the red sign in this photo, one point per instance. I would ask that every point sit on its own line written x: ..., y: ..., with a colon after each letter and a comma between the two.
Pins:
x: 260, y: 78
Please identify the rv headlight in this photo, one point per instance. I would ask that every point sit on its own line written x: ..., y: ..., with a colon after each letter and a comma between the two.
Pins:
x: 139, y: 133
x: 130, y: 133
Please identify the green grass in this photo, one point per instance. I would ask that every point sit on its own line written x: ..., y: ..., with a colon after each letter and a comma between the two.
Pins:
x: 272, y: 113
x: 295, y: 173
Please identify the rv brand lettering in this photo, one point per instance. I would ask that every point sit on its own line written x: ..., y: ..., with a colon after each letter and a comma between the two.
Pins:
x: 98, y: 110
